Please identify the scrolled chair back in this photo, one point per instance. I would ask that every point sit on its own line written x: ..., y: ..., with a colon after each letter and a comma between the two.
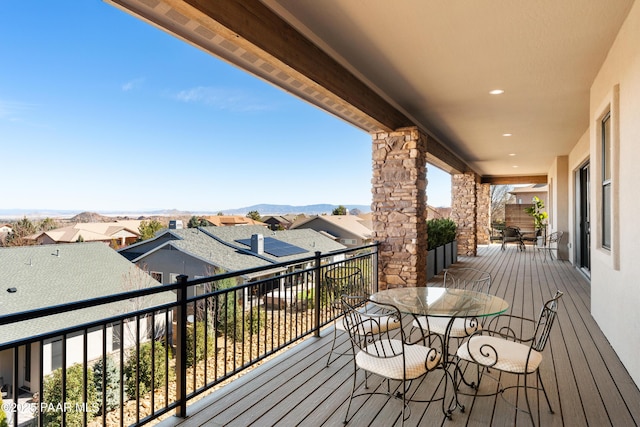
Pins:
x: 345, y: 280
x: 369, y: 324
x: 545, y: 322
x: 468, y: 278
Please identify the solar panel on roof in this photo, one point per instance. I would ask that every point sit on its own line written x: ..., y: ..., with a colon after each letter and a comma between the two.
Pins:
x: 276, y: 247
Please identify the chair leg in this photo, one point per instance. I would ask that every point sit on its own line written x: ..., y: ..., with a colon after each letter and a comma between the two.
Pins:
x: 544, y: 390
x: 526, y: 398
x: 353, y: 390
x: 333, y: 345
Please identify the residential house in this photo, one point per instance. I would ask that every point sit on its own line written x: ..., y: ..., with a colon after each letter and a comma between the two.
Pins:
x: 350, y: 230
x: 204, y: 251
x: 281, y: 222
x: 515, y: 214
x: 121, y: 232
x: 525, y: 194
x: 53, y: 275
x: 230, y: 220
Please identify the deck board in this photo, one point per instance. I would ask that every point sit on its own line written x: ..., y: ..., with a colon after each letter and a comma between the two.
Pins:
x: 586, y: 381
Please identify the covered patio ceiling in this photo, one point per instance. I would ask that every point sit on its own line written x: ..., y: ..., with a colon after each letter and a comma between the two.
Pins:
x: 382, y: 65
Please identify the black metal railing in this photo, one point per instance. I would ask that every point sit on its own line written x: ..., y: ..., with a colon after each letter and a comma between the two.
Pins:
x: 168, y: 344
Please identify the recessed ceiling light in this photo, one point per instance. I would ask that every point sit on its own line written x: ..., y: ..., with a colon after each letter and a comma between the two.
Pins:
x: 515, y: 166
x: 512, y: 154
x: 497, y: 92
x: 506, y: 134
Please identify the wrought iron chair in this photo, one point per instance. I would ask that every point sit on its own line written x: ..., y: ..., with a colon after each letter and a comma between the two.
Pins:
x: 512, y: 235
x: 551, y: 244
x: 461, y: 278
x: 499, y: 347
x: 346, y: 280
x: 376, y: 352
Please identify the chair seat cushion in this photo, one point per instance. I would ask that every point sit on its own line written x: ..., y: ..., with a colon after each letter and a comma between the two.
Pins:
x: 419, y: 359
x: 508, y: 355
x: 382, y: 324
x: 461, y: 327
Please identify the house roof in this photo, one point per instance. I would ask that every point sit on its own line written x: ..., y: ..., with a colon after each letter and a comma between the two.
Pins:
x: 351, y: 224
x: 219, y: 245
x: 50, y: 275
x: 230, y: 220
x: 534, y: 188
x: 91, y: 231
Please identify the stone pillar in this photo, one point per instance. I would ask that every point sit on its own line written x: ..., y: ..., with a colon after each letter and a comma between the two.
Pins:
x: 483, y: 215
x: 464, y: 209
x: 400, y: 207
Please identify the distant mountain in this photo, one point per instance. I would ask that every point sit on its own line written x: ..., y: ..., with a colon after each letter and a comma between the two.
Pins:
x: 263, y: 209
x: 266, y: 209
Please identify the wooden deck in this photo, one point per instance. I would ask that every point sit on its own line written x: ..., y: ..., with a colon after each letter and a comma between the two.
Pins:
x: 588, y: 385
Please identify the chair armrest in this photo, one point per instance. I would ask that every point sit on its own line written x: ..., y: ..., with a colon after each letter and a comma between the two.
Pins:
x: 505, y: 326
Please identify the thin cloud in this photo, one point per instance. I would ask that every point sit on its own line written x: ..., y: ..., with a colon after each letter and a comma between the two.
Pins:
x: 12, y: 111
x: 132, y: 84
x: 222, y: 99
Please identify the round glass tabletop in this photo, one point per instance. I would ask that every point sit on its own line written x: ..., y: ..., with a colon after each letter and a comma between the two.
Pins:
x: 444, y: 302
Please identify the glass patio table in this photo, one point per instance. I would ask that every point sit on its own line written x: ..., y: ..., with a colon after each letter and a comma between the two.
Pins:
x: 443, y: 302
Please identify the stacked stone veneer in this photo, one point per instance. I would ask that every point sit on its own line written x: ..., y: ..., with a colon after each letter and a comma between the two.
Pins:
x: 400, y: 207
x: 483, y: 213
x: 464, y: 210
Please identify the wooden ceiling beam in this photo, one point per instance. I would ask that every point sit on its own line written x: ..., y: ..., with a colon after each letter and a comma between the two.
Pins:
x: 514, y: 179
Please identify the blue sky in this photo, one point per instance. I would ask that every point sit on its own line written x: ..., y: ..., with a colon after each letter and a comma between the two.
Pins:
x: 100, y: 111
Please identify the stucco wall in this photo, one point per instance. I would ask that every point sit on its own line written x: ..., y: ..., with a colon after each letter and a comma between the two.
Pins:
x: 615, y: 273
x: 578, y: 157
x: 558, y: 204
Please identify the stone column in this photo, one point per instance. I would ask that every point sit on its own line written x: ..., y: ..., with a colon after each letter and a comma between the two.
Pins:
x: 400, y: 207
x: 464, y: 210
x: 483, y: 216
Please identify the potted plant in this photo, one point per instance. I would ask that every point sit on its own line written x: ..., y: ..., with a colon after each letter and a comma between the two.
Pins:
x: 441, y: 233
x: 536, y: 210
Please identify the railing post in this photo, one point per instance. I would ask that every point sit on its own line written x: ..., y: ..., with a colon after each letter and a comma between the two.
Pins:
x: 316, y: 295
x: 181, y: 353
x: 374, y: 267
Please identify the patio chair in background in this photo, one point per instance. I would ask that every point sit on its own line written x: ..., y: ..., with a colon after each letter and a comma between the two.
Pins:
x: 551, y: 244
x: 512, y: 235
x: 461, y: 278
x: 346, y: 280
x: 377, y: 353
x: 499, y: 347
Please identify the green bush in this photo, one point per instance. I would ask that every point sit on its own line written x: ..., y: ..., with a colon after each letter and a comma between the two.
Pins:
x: 73, y: 400
x: 3, y: 415
x: 255, y: 320
x: 144, y: 381
x: 112, y: 390
x: 201, y: 351
x: 440, y: 231
x: 307, y: 299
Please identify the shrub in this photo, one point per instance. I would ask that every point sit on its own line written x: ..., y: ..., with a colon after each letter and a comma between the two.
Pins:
x: 3, y: 415
x: 201, y: 351
x: 73, y: 400
x: 112, y: 390
x: 440, y: 231
x: 144, y: 368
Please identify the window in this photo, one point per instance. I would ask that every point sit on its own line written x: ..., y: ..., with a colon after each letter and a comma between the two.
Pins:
x: 157, y: 275
x: 605, y: 128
